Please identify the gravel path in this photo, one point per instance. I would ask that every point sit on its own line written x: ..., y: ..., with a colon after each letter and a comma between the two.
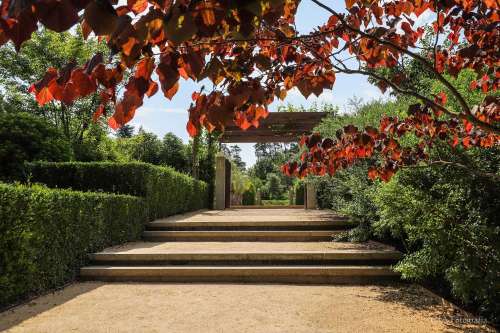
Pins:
x: 191, y: 308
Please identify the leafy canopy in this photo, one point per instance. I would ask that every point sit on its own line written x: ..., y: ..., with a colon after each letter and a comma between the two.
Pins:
x: 253, y: 54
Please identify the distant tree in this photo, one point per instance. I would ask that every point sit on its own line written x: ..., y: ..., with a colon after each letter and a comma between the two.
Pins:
x: 314, y: 107
x: 144, y: 147
x: 236, y: 157
x: 26, y: 137
x: 234, y: 154
x: 173, y: 153
x: 274, y: 187
x: 126, y: 131
x: 270, y: 158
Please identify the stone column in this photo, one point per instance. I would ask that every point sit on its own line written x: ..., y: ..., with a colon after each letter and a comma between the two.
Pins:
x: 220, y: 182
x: 258, y: 198
x: 310, y: 200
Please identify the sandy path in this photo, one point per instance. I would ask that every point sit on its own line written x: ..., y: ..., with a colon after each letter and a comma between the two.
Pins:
x: 191, y: 308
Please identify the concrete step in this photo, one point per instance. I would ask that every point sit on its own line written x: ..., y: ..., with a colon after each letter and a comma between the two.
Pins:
x: 263, y: 274
x: 335, y: 257
x: 298, y: 207
x: 241, y: 235
x: 338, y: 224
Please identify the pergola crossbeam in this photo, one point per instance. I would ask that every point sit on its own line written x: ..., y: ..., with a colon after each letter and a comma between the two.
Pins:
x: 277, y: 127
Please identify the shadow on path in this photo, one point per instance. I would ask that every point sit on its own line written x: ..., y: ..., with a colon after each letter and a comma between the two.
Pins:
x: 417, y: 298
x: 25, y: 311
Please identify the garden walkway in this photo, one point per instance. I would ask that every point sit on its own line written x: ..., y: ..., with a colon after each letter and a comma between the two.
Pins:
x: 297, y: 280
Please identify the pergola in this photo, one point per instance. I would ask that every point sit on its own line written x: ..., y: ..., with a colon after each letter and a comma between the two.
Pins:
x: 277, y: 127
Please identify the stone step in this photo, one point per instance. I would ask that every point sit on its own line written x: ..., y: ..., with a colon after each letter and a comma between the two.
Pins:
x: 241, y: 235
x: 338, y: 224
x: 263, y: 274
x: 297, y: 207
x: 335, y: 257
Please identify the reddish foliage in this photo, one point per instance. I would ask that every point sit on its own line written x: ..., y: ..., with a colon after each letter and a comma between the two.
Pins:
x: 328, y: 156
x: 252, y: 53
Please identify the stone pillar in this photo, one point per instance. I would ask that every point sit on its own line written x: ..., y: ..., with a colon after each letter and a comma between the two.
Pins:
x: 220, y: 182
x: 258, y: 198
x: 310, y: 198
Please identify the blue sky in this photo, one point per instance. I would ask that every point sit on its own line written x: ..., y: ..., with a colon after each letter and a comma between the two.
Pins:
x: 160, y: 116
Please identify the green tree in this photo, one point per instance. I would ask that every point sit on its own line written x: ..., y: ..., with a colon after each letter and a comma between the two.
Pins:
x: 274, y: 187
x: 145, y: 147
x: 18, y: 70
x: 173, y: 153
x: 126, y: 131
x: 26, y: 137
x: 233, y: 153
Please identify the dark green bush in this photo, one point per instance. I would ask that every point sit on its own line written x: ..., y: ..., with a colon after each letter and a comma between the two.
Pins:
x: 26, y: 137
x: 249, y: 196
x: 299, y: 189
x: 166, y: 191
x: 448, y: 223
x: 46, y: 234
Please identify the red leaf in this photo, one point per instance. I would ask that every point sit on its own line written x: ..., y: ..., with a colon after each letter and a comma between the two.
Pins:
x: 169, y: 78
x: 441, y: 98
x: 125, y: 111
x: 153, y: 89
x: 261, y: 112
x: 137, y: 6
x: 41, y: 88
x: 101, y: 17
x: 44, y: 96
x: 98, y: 113
x: 20, y: 29
x: 466, y: 142
x: 170, y: 93
x: 56, y: 15
x: 372, y: 173
x: 144, y: 68
x: 83, y: 83
x: 192, y: 130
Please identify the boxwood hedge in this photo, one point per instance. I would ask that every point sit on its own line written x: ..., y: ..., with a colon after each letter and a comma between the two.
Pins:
x: 166, y: 191
x: 45, y: 234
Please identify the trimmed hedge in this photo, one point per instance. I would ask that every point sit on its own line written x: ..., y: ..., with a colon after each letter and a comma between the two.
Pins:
x: 46, y: 234
x: 166, y: 191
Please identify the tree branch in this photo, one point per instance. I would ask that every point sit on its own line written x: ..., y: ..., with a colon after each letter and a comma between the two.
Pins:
x: 416, y: 56
x: 424, y: 99
x: 471, y: 170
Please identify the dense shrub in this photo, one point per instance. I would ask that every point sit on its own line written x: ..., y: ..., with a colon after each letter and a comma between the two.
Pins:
x: 249, y: 196
x: 448, y: 222
x: 26, y: 137
x: 45, y: 234
x: 444, y: 217
x: 166, y: 191
x: 350, y: 193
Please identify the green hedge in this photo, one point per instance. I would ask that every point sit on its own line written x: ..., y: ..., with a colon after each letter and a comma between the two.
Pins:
x: 166, y: 191
x: 46, y: 234
x: 299, y: 189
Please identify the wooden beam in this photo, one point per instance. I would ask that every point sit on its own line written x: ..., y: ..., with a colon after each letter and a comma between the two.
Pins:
x: 277, y: 127
x: 259, y: 139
